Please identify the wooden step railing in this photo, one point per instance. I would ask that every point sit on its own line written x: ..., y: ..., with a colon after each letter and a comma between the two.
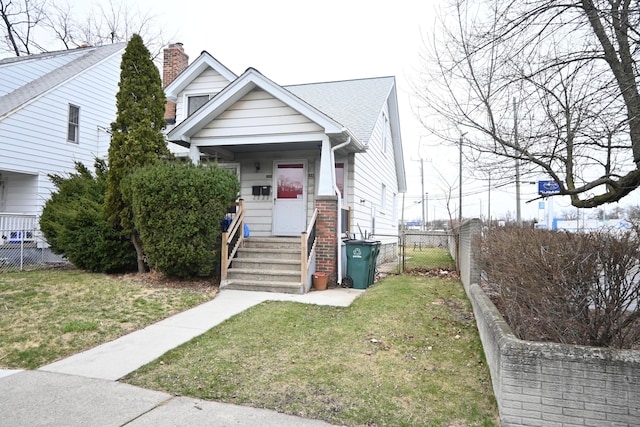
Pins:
x: 232, y: 239
x: 308, y: 247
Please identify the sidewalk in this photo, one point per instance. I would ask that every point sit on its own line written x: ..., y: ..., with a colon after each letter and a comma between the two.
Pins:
x: 81, y: 390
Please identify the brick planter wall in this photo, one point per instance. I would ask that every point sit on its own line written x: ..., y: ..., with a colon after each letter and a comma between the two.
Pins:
x: 548, y: 384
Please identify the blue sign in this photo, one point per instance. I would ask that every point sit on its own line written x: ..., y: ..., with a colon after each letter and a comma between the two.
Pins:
x: 540, y: 205
x: 548, y: 187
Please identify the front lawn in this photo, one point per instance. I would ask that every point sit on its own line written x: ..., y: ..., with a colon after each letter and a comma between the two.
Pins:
x: 405, y: 353
x: 48, y: 315
x: 421, y: 259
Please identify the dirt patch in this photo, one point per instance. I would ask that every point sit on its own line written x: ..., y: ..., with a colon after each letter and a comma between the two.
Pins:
x: 158, y: 280
x: 436, y: 272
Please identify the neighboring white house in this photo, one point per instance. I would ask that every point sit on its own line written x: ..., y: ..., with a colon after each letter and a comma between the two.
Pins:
x: 293, y: 146
x: 55, y: 110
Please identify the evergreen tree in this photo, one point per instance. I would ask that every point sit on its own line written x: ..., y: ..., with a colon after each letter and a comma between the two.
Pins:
x: 75, y: 225
x: 137, y: 139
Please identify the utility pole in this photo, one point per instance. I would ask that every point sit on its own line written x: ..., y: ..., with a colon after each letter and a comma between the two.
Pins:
x: 422, y: 180
x: 489, y: 207
x: 427, y: 211
x: 515, y: 139
x: 460, y: 182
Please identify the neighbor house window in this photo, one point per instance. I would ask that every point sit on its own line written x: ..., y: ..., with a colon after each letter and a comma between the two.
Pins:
x: 195, y: 102
x: 74, y: 123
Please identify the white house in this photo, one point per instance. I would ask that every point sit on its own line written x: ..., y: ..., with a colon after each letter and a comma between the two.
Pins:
x: 329, y: 152
x: 55, y: 110
x: 316, y: 162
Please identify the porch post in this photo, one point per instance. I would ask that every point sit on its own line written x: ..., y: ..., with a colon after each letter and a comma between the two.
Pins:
x: 326, y: 249
x: 326, y: 176
x: 194, y: 154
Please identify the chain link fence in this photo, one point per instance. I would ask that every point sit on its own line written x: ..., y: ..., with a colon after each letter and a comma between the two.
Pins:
x: 426, y: 250
x: 21, y: 245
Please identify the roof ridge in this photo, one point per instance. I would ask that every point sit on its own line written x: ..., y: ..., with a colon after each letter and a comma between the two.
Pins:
x: 33, y: 89
x: 341, y: 81
x: 35, y: 56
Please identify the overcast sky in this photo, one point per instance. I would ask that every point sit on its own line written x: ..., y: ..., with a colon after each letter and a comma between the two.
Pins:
x: 292, y: 41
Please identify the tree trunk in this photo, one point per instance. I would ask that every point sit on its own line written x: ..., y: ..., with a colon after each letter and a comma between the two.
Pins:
x: 135, y: 239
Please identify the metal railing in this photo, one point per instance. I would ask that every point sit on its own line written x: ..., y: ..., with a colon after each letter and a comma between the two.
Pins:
x: 308, y: 240
x: 21, y: 245
x: 232, y: 239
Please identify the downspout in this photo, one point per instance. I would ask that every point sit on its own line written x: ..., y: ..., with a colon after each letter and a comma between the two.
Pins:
x: 339, y: 219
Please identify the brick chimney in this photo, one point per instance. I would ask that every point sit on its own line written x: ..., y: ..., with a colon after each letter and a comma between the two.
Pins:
x: 175, y: 62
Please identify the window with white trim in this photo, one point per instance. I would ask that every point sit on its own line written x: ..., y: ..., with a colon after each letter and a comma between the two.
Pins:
x: 194, y: 103
x: 73, y: 127
x: 385, y: 132
x: 340, y: 178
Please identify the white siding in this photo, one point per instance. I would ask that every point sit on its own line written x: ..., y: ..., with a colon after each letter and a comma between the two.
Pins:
x: 259, y: 208
x: 371, y: 170
x: 209, y: 82
x: 33, y: 140
x: 258, y: 113
x: 20, y: 195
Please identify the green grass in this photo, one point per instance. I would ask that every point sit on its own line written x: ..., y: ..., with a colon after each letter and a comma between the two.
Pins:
x: 428, y: 259
x: 405, y: 353
x: 48, y: 315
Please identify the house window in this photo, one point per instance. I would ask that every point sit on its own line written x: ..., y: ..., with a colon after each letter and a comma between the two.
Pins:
x: 74, y: 123
x: 383, y: 198
x: 385, y: 132
x: 195, y: 102
x: 340, y: 178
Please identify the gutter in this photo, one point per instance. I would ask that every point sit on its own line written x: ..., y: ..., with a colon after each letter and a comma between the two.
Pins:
x: 339, y: 224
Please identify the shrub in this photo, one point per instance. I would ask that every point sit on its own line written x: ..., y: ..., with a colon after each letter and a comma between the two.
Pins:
x: 564, y: 287
x: 177, y: 210
x: 75, y: 224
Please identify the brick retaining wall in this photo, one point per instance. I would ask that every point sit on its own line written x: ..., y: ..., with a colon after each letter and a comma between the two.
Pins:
x: 548, y: 384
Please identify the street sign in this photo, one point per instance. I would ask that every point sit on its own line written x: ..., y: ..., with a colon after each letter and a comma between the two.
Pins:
x: 540, y: 205
x: 548, y: 187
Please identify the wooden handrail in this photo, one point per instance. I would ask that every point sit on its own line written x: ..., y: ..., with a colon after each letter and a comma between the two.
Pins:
x: 232, y: 239
x: 307, y: 247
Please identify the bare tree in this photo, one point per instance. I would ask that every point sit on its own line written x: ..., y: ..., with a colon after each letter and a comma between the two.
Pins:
x: 19, y: 20
x: 33, y: 26
x: 548, y: 83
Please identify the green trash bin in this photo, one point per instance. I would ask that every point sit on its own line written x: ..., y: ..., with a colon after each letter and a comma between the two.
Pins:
x: 359, y: 259
x: 373, y: 261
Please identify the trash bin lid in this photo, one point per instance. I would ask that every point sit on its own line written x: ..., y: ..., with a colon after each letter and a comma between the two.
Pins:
x: 362, y: 242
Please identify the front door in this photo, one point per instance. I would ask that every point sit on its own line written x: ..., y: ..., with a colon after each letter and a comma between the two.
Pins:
x: 290, y: 198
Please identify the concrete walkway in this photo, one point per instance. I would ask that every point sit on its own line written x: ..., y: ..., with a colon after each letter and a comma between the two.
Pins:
x: 81, y: 390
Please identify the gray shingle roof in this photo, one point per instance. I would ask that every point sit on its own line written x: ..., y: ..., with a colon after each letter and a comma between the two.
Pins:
x: 34, y: 88
x: 356, y: 104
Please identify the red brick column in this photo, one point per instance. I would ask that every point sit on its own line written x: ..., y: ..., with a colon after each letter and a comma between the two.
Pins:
x: 326, y: 232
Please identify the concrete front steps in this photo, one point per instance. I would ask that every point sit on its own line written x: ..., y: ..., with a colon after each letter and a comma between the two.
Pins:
x: 268, y: 264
